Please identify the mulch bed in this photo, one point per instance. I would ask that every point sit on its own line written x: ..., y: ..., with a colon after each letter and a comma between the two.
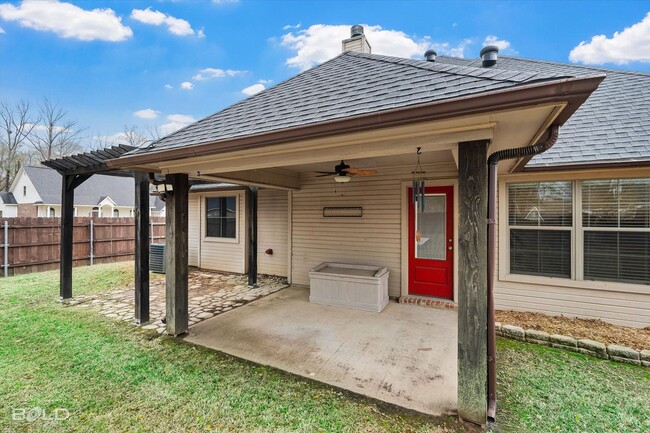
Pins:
x: 635, y: 338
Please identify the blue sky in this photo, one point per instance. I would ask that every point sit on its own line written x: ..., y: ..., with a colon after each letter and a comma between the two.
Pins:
x: 161, y: 64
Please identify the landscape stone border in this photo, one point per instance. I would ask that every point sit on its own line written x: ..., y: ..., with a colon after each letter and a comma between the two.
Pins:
x: 613, y: 352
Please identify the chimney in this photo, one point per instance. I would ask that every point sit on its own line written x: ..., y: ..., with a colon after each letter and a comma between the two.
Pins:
x: 357, y: 42
x: 489, y: 55
x: 430, y: 56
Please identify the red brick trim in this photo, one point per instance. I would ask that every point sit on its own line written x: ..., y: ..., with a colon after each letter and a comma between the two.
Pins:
x: 428, y: 302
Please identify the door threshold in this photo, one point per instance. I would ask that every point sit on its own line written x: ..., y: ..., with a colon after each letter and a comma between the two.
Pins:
x: 423, y: 301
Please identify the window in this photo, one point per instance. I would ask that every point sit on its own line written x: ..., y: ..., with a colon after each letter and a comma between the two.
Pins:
x: 116, y: 213
x: 24, y: 191
x: 610, y: 239
x: 51, y: 212
x: 616, y: 224
x: 95, y: 212
x: 540, y: 222
x: 221, y: 217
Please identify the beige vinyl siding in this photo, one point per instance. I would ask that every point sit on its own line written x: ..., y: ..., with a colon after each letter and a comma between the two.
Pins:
x: 374, y: 239
x: 272, y: 231
x: 194, y: 230
x: 227, y: 255
x: 618, y: 303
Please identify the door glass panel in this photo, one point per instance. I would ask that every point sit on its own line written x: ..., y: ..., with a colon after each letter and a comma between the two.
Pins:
x: 431, y: 229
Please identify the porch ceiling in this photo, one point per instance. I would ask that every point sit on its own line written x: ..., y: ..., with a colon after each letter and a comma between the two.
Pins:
x: 278, y: 166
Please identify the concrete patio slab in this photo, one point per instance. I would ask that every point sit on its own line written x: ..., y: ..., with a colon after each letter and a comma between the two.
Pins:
x: 405, y: 355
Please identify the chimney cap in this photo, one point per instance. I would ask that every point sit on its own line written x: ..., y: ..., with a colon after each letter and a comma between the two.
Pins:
x: 356, y: 30
x: 430, y: 55
x: 488, y: 49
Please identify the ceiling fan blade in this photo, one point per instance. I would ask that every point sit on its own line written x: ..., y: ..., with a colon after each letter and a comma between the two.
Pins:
x: 323, y: 174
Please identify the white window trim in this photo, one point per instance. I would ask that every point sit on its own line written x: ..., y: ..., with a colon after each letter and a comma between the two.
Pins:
x: 203, y: 210
x: 577, y: 239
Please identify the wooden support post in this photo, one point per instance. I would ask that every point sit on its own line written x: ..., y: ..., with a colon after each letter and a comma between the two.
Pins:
x: 142, y: 205
x: 252, y: 236
x: 68, y: 185
x: 472, y: 281
x: 176, y: 252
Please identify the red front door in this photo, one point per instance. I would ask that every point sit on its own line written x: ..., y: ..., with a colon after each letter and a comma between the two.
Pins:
x: 431, y: 236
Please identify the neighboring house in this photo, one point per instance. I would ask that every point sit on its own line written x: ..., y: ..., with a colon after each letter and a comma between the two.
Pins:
x: 36, y: 192
x: 8, y: 205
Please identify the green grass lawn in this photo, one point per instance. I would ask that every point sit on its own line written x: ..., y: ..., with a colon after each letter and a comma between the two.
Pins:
x: 112, y: 377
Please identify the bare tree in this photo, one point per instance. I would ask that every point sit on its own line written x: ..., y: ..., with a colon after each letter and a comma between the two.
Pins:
x: 55, y: 136
x: 16, y: 126
x: 131, y: 136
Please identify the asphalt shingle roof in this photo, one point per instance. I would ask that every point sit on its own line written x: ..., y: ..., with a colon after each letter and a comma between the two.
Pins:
x: 613, y: 125
x: 8, y: 198
x: 90, y: 193
x: 350, y: 84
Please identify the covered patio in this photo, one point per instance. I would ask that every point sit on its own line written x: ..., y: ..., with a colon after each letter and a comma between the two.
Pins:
x: 407, y: 355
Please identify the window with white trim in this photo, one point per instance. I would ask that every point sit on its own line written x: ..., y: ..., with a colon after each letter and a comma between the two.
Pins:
x: 221, y: 217
x: 610, y: 237
x: 540, y: 221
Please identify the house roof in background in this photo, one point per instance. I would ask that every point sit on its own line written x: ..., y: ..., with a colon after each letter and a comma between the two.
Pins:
x: 90, y: 193
x: 7, y: 198
x: 611, y: 126
x: 351, y: 84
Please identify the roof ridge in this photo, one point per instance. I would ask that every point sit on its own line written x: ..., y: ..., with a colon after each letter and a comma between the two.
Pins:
x: 573, y: 65
x: 400, y: 61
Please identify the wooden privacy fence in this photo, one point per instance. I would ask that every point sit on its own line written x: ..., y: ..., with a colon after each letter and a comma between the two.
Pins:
x: 32, y: 244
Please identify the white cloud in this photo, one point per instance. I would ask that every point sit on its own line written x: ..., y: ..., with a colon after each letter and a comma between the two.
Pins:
x: 175, y: 26
x: 289, y: 26
x: 493, y: 40
x: 176, y: 122
x: 321, y: 42
x: 201, y: 33
x: 221, y: 2
x: 168, y: 86
x: 630, y: 45
x: 67, y: 20
x: 186, y: 85
x: 208, y: 73
x: 146, y: 113
x: 255, y: 88
x: 2, y: 31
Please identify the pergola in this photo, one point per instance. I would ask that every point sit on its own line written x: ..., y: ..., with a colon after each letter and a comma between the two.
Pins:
x: 75, y: 169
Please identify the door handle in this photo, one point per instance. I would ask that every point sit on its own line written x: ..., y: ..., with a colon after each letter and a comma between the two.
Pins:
x: 450, y: 248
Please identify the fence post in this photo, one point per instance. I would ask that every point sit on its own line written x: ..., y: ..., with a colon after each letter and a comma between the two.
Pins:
x: 151, y: 241
x: 6, y: 248
x: 92, y: 241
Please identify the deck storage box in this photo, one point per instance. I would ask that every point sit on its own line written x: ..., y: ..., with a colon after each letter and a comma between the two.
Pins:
x: 363, y: 287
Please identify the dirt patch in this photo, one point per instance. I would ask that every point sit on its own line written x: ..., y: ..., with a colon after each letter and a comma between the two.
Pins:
x: 638, y: 339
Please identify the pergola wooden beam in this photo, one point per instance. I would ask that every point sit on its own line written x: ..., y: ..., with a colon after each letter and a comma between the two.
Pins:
x: 142, y: 204
x: 176, y: 277
x: 472, y: 281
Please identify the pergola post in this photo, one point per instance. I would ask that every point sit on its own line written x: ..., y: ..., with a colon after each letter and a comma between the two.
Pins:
x: 176, y: 251
x: 472, y: 281
x: 68, y: 185
x: 142, y: 204
x: 252, y: 236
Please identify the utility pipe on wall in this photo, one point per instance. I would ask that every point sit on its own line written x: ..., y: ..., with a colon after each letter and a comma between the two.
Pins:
x: 493, y: 162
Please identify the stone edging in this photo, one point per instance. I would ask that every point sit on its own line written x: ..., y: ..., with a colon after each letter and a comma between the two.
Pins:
x: 597, y: 349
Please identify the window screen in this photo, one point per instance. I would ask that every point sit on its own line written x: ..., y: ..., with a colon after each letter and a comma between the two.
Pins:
x: 540, y: 218
x: 616, y: 224
x: 221, y: 217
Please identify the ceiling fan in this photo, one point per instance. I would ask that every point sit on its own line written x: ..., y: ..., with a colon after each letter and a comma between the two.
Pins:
x: 343, y: 171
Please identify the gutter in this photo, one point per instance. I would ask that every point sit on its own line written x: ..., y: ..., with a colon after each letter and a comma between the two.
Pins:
x: 574, y: 91
x: 493, y: 162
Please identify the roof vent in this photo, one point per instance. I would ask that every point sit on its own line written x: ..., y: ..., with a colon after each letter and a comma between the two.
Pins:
x: 489, y: 55
x: 356, y: 30
x: 430, y: 56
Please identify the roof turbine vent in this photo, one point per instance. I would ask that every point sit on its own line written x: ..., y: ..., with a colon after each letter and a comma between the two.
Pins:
x: 356, y: 30
x: 489, y: 55
x: 430, y: 56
